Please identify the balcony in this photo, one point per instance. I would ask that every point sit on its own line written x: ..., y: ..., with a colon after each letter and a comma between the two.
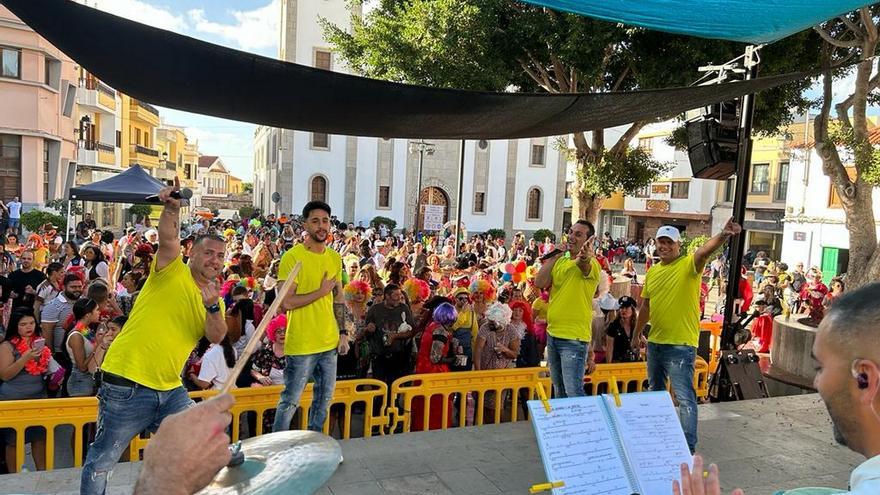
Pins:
x: 96, y: 100
x: 144, y: 156
x: 144, y: 112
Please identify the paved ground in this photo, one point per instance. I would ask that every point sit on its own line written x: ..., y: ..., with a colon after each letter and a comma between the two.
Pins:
x: 761, y: 445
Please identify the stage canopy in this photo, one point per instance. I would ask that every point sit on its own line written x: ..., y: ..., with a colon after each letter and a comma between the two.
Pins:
x: 750, y: 21
x: 204, y: 78
x: 131, y: 186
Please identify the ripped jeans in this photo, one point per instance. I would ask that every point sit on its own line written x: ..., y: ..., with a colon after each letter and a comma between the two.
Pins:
x: 123, y: 413
x: 676, y: 362
x: 567, y: 360
x: 298, y: 369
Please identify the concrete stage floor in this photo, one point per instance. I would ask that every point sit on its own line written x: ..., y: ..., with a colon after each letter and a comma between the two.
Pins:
x: 760, y: 445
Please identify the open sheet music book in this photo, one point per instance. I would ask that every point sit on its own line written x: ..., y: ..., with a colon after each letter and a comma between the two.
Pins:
x: 595, y: 447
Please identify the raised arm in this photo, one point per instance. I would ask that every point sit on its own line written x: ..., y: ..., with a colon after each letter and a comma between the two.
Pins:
x: 701, y: 257
x: 544, y: 277
x: 169, y: 227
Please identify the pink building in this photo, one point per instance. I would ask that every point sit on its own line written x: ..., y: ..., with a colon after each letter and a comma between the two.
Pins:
x: 37, y: 96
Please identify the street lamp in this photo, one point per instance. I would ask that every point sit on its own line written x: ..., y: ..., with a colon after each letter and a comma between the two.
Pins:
x: 421, y: 147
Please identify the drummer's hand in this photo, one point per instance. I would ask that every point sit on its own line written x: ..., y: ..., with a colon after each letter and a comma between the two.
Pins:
x: 188, y: 450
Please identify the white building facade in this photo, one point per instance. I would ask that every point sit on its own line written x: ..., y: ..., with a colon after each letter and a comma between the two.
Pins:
x: 516, y: 185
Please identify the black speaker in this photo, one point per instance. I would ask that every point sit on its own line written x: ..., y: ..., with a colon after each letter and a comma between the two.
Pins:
x: 712, y: 149
x: 738, y: 377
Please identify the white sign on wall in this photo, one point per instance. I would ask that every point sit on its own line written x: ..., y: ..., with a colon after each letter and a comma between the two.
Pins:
x: 434, y: 216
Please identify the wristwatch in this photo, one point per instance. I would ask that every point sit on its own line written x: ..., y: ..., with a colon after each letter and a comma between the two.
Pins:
x: 214, y: 308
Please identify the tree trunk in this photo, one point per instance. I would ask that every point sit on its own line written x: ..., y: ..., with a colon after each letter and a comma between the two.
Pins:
x: 864, y: 255
x: 585, y: 206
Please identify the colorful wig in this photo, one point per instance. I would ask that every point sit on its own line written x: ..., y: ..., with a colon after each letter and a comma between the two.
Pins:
x: 499, y: 314
x: 277, y: 323
x: 527, y: 313
x: 356, y: 287
x: 484, y: 287
x: 416, y: 290
x: 445, y: 314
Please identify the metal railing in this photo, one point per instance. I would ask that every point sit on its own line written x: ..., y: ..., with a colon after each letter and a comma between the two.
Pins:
x: 358, y: 408
x: 107, y: 90
x: 145, y: 151
x: 146, y: 106
x: 109, y: 148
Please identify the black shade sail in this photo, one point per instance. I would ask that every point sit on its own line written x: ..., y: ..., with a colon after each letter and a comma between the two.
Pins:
x: 131, y: 186
x: 200, y: 77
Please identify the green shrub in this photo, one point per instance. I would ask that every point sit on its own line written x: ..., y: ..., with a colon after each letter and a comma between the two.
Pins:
x: 497, y: 233
x: 35, y: 219
x: 542, y: 234
x: 380, y: 220
x: 140, y: 211
x: 246, y: 211
x: 690, y: 245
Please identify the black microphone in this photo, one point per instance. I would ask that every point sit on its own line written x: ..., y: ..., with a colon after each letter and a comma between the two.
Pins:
x: 551, y: 254
x: 184, y: 193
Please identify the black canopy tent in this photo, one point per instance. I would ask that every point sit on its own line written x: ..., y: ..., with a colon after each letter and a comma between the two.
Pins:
x: 266, y: 91
x: 131, y: 186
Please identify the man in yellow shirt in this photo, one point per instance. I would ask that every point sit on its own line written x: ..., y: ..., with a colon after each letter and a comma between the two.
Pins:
x: 572, y: 275
x: 140, y: 375
x: 315, y: 328
x: 671, y: 303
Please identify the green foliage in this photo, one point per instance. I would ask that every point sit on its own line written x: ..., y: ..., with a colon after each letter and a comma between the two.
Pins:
x: 246, y: 211
x: 35, y: 219
x: 503, y: 45
x: 866, y: 156
x: 497, y: 233
x: 247, y: 187
x: 690, y: 245
x: 542, y: 234
x: 61, y: 206
x: 380, y: 220
x: 140, y: 211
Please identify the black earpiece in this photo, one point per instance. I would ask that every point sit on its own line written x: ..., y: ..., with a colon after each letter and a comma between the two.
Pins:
x: 862, y: 379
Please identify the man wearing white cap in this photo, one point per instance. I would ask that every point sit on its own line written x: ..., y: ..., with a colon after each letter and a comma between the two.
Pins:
x: 671, y: 303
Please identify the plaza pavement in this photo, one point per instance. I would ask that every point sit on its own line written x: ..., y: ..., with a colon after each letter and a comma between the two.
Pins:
x: 760, y: 445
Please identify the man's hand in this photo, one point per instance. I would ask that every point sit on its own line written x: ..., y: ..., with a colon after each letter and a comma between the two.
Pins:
x: 694, y: 483
x: 586, y: 252
x: 731, y: 228
x: 327, y: 284
x: 165, y: 195
x: 210, y: 294
x: 344, y: 345
x: 29, y: 290
x: 188, y: 450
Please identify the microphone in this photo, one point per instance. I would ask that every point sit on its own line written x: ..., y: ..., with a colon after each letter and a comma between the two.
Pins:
x: 185, y: 193
x: 551, y: 254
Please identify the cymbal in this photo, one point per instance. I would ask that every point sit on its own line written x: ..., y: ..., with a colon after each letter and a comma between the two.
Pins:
x: 289, y: 462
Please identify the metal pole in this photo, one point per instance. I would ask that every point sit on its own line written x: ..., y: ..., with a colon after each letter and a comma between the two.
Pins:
x: 419, y: 187
x: 460, y: 196
x: 743, y: 169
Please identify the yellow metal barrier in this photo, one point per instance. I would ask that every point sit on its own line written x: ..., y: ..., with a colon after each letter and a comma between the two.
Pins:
x: 714, y: 342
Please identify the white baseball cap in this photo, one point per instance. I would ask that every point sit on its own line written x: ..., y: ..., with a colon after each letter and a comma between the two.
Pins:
x: 670, y: 232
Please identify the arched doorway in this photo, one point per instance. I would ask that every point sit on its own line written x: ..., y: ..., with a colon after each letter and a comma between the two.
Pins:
x: 433, y: 208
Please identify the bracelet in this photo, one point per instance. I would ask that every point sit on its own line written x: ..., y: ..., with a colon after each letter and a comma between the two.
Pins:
x: 214, y: 308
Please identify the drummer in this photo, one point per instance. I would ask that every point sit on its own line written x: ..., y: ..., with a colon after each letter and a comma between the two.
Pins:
x: 140, y: 376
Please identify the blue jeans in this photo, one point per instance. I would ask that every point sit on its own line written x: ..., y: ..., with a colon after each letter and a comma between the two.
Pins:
x: 567, y: 360
x: 298, y: 369
x: 676, y: 362
x: 123, y: 413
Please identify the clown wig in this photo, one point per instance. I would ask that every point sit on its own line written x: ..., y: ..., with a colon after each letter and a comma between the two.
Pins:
x: 416, y: 290
x: 499, y: 314
x: 527, y: 313
x: 484, y: 287
x: 445, y: 314
x: 278, y: 324
x: 356, y: 287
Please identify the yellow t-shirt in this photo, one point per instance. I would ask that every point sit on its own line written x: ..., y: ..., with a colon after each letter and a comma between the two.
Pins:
x: 311, y: 329
x: 467, y: 319
x: 164, y: 326
x: 570, y: 311
x: 674, y: 292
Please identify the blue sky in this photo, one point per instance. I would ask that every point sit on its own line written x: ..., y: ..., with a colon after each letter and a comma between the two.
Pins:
x: 249, y: 25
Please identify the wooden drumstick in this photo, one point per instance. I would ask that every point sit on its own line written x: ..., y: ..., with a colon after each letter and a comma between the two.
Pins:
x: 261, y: 329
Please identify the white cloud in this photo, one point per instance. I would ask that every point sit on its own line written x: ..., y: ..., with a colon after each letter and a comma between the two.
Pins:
x: 142, y: 12
x: 251, y: 29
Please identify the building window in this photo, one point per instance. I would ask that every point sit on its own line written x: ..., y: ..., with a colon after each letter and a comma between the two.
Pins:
x: 45, y: 171
x: 323, y: 59
x: 319, y: 188
x: 108, y: 214
x: 781, y: 183
x: 384, y: 196
x: 187, y: 171
x: 568, y: 186
x: 47, y: 71
x: 119, y: 139
x: 480, y: 202
x: 730, y: 189
x: 680, y: 190
x: 538, y: 154
x: 761, y: 178
x: 11, y: 62
x: 274, y: 148
x: 533, y: 207
x: 643, y: 192
x: 10, y: 166
x: 646, y: 143
x: 320, y: 140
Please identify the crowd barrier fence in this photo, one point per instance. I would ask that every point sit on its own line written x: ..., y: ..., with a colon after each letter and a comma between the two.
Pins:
x: 471, y: 398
